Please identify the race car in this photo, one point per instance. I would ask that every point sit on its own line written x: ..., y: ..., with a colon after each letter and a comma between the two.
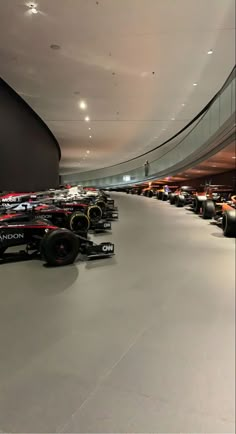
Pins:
x: 106, y: 204
x: 42, y: 239
x: 225, y: 216
x: 76, y: 218
x: 164, y: 192
x: 151, y: 190
x: 203, y: 202
x: 182, y: 196
x: 135, y: 190
x: 69, y: 198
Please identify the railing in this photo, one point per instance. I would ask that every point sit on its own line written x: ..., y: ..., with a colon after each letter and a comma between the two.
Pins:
x: 191, y: 144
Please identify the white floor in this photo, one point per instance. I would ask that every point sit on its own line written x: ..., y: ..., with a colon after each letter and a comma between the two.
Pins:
x: 144, y: 342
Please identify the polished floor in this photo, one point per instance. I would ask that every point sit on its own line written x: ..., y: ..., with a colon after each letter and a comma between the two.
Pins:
x: 144, y: 342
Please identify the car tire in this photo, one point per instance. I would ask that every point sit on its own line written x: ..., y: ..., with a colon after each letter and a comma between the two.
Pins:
x: 208, y: 209
x: 160, y: 195
x: 59, y: 247
x: 79, y: 222
x: 196, y: 205
x: 95, y: 213
x: 150, y: 193
x: 229, y: 223
x: 180, y: 201
x: 101, y: 204
x: 172, y: 198
x: 2, y: 251
x: 164, y: 197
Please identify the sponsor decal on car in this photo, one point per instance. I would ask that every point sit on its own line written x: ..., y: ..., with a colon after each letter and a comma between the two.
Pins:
x: 7, y: 237
x: 46, y: 216
x: 107, y: 225
x: 107, y: 248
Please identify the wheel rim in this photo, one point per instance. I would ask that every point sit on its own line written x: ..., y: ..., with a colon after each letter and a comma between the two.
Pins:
x: 62, y: 248
x: 95, y: 213
x: 80, y: 223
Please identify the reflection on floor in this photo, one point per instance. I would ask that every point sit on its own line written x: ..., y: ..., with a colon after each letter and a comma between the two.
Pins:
x: 140, y: 343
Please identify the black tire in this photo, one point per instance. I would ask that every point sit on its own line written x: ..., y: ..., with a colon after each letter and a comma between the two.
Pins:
x: 2, y: 251
x: 164, y: 197
x: 229, y: 223
x: 196, y: 205
x: 180, y: 201
x: 59, y: 247
x: 101, y: 204
x: 95, y: 213
x: 208, y: 209
x: 160, y: 195
x: 150, y: 193
x: 79, y: 222
x: 172, y: 198
x: 103, y: 198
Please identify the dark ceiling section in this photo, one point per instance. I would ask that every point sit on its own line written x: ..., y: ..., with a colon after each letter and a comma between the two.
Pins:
x: 29, y: 153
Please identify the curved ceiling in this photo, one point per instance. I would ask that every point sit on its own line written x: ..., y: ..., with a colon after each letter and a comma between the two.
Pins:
x: 134, y: 63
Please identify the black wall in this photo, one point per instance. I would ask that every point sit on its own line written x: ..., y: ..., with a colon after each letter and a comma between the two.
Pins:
x: 29, y: 153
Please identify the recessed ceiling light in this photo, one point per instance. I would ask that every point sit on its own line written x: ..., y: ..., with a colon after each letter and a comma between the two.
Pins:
x: 87, y: 118
x: 194, y: 84
x: 214, y: 165
x: 183, y: 105
x: 88, y: 151
x: 173, y: 119
x: 90, y: 137
x: 155, y: 137
x: 55, y: 47
x: 82, y: 105
x: 34, y: 10
x: 234, y: 158
x: 163, y: 129
x: 210, y: 52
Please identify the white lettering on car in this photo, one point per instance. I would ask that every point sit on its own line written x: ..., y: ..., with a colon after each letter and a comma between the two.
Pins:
x: 107, y: 248
x: 107, y: 225
x: 7, y: 237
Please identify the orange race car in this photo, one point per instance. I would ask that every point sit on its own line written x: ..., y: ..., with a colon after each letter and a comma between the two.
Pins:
x: 215, y: 193
x: 151, y: 190
x: 182, y: 196
x: 225, y: 215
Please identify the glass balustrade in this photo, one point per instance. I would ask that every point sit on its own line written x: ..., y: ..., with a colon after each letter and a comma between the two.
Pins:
x: 166, y: 158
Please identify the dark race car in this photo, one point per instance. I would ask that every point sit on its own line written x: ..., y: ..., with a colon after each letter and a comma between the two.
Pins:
x: 98, y: 221
x: 77, y: 217
x: 42, y: 239
x: 91, y: 204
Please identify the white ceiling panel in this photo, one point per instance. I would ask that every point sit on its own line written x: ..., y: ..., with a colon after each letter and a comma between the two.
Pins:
x: 133, y: 61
